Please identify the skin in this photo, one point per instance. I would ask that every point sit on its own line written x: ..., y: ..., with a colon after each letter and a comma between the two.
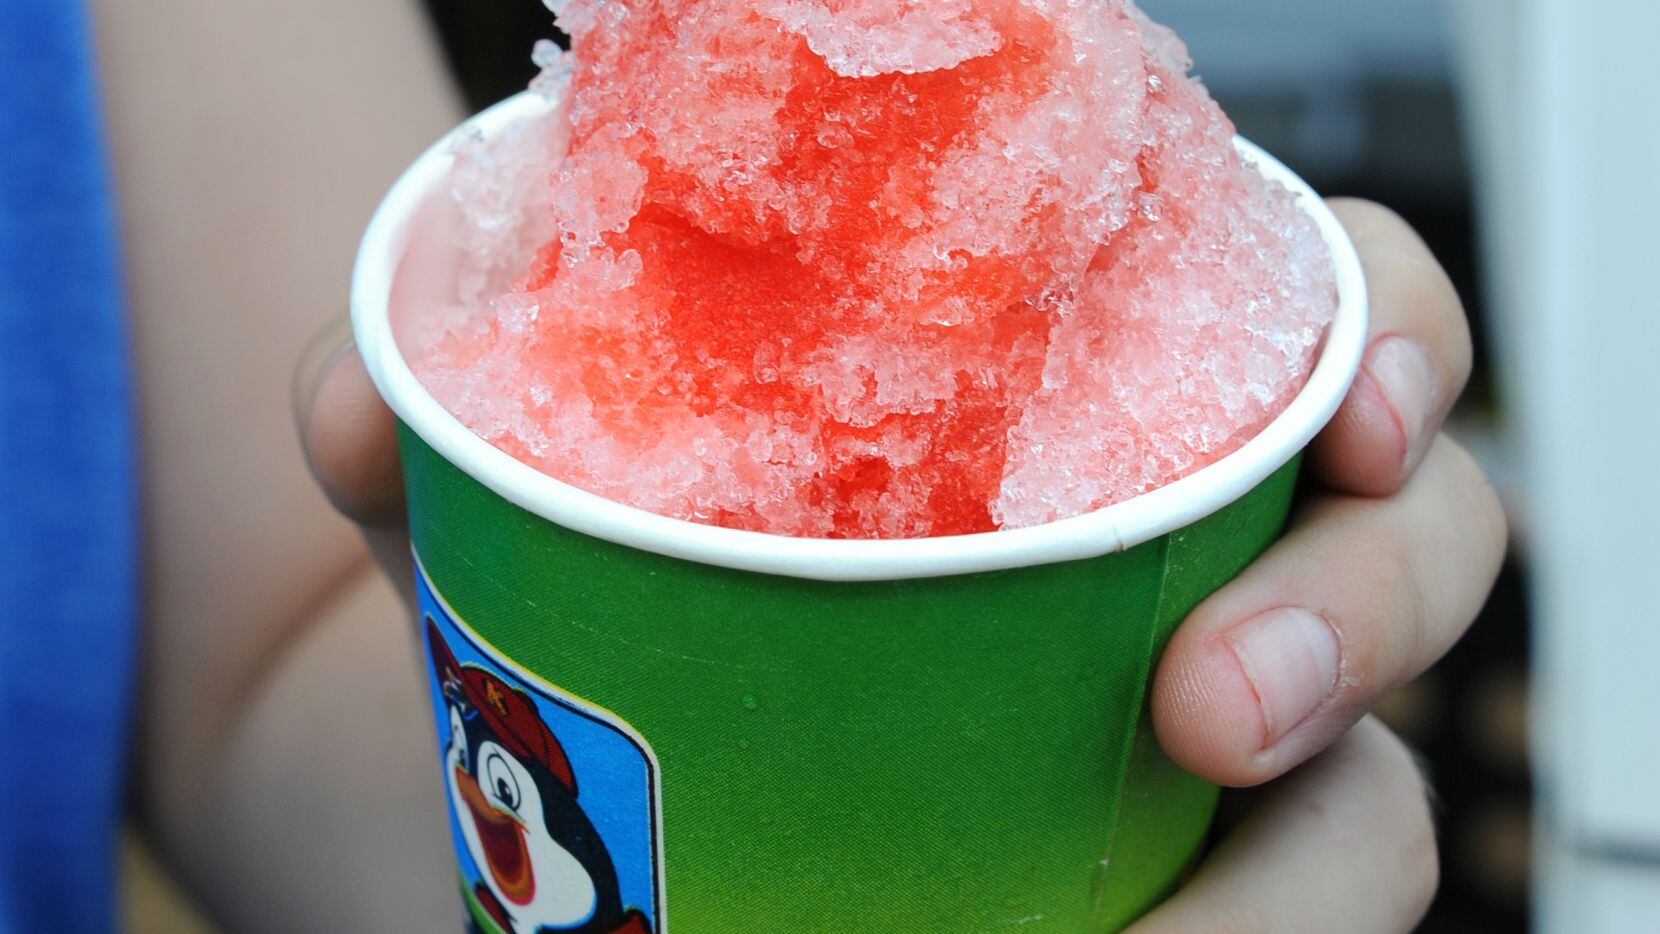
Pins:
x: 284, y: 763
x: 280, y: 760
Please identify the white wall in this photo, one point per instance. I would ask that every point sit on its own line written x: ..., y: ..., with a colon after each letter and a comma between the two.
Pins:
x: 1566, y: 111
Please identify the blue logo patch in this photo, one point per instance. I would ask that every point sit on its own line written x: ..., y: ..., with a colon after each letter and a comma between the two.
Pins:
x: 554, y: 802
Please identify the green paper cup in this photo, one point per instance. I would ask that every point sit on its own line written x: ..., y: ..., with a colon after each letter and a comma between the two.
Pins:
x: 643, y: 720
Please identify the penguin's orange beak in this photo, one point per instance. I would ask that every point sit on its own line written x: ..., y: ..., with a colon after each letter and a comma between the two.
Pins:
x: 503, y: 839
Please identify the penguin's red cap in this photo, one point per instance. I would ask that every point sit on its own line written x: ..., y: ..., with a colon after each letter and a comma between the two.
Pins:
x: 507, y: 711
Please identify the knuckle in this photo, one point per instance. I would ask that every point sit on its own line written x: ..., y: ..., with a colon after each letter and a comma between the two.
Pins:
x: 1426, y: 297
x: 1381, y: 637
x: 1421, y: 862
x: 1474, y: 492
x: 1412, y: 844
x: 1420, y: 859
x: 1463, y: 344
x: 1456, y: 345
x: 1450, y: 532
x: 1379, y: 603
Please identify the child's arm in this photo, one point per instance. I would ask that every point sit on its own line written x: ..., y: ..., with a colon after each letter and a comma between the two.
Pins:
x: 284, y: 761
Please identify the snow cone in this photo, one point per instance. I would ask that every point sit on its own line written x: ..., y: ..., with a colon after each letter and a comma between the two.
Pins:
x: 816, y: 416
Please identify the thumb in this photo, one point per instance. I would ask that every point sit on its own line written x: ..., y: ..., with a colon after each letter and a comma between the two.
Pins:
x: 350, y: 441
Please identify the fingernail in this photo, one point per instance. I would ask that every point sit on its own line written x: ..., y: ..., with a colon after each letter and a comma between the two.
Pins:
x: 1290, y: 657
x: 1403, y: 374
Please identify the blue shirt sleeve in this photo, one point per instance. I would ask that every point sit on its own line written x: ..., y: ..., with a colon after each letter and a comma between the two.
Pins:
x: 68, y: 580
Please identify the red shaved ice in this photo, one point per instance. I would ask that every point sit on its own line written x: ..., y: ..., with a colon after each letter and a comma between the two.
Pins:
x: 873, y: 268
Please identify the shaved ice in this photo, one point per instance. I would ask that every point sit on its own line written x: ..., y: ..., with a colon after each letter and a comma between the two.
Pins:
x: 873, y: 268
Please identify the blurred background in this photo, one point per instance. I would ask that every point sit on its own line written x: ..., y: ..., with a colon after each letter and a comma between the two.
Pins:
x: 1515, y: 135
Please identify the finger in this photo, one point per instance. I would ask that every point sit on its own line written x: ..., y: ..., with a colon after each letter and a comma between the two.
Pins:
x: 1359, y: 597
x: 1344, y: 844
x: 390, y: 546
x: 1416, y: 364
x: 349, y: 435
x: 350, y: 441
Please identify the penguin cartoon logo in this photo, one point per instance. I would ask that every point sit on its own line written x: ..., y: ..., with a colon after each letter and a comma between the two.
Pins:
x: 542, y: 865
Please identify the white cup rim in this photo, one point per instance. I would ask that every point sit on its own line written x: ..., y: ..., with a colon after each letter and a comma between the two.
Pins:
x: 1114, y: 528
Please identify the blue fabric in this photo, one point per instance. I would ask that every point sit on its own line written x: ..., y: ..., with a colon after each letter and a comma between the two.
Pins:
x: 67, y: 514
